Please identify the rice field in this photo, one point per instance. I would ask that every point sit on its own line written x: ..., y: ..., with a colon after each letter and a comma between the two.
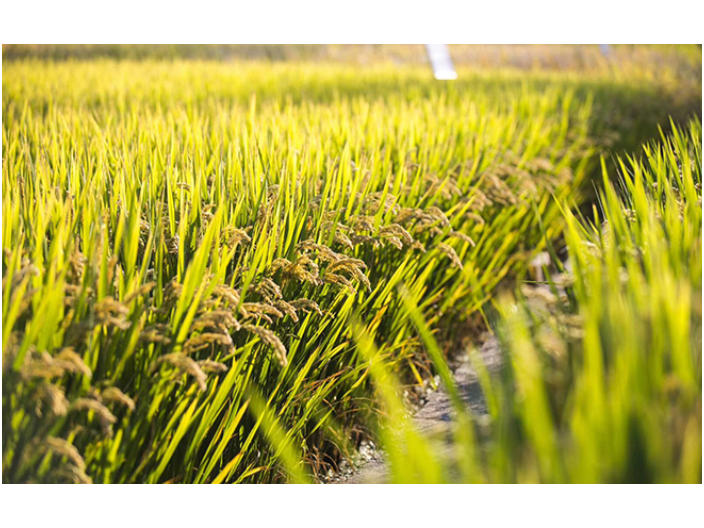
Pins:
x: 603, y: 360
x: 229, y: 272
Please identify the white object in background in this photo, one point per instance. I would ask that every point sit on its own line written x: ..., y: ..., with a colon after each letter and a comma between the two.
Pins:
x: 440, y: 60
x: 605, y: 49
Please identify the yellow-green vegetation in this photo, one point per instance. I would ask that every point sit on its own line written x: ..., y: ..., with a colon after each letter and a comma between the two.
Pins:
x: 652, y: 58
x: 603, y: 365
x: 190, y: 249
x: 609, y: 373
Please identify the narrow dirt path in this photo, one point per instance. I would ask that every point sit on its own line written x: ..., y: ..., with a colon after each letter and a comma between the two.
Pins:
x: 436, y: 416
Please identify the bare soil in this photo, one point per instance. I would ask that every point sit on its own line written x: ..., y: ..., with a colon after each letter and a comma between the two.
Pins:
x: 434, y: 419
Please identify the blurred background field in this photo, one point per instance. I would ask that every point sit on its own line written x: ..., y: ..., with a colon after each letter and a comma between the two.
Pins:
x: 529, y: 56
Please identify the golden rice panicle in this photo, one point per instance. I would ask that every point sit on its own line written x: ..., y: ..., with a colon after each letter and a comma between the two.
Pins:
x: 339, y: 280
x: 307, y: 306
x: 396, y: 230
x: 76, y: 263
x: 306, y: 245
x: 365, y: 240
x: 64, y: 449
x: 419, y: 246
x: 280, y: 264
x: 407, y: 215
x: 497, y: 189
x: 349, y: 265
x: 221, y: 319
x: 90, y: 404
x: 157, y: 333
x: 41, y: 365
x: 208, y: 365
x: 478, y: 201
x: 271, y: 339
x: 258, y: 309
x: 439, y: 216
x: 303, y: 270
x: 185, y: 365
x: 451, y: 253
x: 324, y: 253
x: 229, y: 294
x: 70, y: 361
x: 286, y: 308
x: 173, y: 290
x: 207, y: 339
x: 343, y: 240
x: 172, y: 244
x: 110, y: 312
x: 334, y: 226
x: 306, y: 270
x: 346, y: 264
x: 373, y: 203
x: 26, y: 268
x: 362, y: 278
x: 268, y: 289
x: 362, y: 223
x: 463, y: 237
x: 475, y: 218
x: 113, y: 394
x: 445, y: 187
x: 54, y: 397
x: 540, y: 164
x: 236, y: 237
x: 72, y: 474
x: 108, y: 305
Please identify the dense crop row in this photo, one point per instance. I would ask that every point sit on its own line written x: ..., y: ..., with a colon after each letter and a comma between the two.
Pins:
x: 603, y: 364
x: 184, y: 262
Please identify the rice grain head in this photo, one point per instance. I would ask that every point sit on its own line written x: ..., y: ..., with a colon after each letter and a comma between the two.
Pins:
x: 396, y: 230
x: 64, y: 449
x: 287, y: 309
x: 70, y: 361
x: 463, y: 237
x: 185, y: 365
x: 90, y: 404
x: 306, y: 305
x: 268, y: 289
x: 41, y: 365
x: 208, y: 365
x: 451, y: 253
x: 113, y: 394
x: 271, y: 339
x: 258, y: 309
x: 72, y: 474
x: 339, y: 280
x: 207, y: 339
x: 55, y: 397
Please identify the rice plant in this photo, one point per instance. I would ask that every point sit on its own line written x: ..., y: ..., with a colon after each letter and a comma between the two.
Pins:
x: 602, y: 377
x: 189, y: 247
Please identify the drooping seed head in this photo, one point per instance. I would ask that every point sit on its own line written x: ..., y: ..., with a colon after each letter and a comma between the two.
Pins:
x: 270, y: 338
